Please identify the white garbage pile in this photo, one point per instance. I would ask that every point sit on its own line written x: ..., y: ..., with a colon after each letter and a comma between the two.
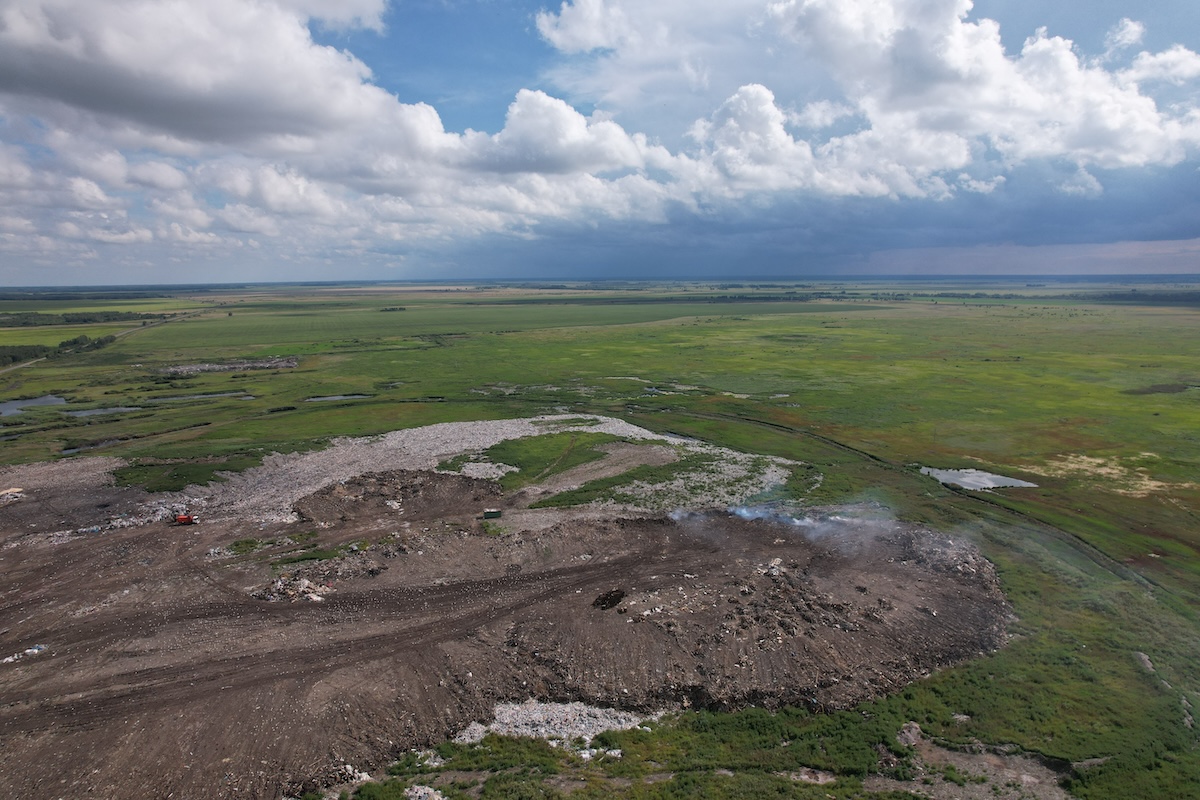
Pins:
x: 563, y: 722
x: 29, y: 651
x: 268, y: 493
x: 293, y: 587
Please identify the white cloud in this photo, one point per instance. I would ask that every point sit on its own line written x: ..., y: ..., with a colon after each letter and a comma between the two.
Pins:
x: 291, y: 193
x: 107, y: 166
x: 157, y: 175
x: 980, y: 186
x: 174, y: 232
x: 181, y: 206
x: 1177, y: 65
x: 921, y: 66
x: 245, y: 219
x: 1124, y: 34
x: 341, y: 13
x: 203, y: 121
x: 821, y: 114
x: 69, y: 230
x: 543, y: 134
x: 1081, y: 184
x: 84, y: 193
x: 585, y: 25
x: 222, y: 70
x: 14, y: 172
x: 128, y: 236
x: 14, y: 224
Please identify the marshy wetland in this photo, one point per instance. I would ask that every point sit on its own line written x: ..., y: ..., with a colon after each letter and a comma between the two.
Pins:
x: 343, y: 600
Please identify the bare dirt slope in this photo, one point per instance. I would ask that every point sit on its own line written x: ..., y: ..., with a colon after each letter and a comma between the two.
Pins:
x: 176, y: 668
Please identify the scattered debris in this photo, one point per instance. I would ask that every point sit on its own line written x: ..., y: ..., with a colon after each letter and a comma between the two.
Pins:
x: 419, y: 792
x: 554, y: 721
x: 292, y: 587
x: 433, y: 619
x: 29, y: 651
x: 232, y: 366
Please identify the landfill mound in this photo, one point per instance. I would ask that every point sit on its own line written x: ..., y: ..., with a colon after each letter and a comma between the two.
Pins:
x: 249, y: 658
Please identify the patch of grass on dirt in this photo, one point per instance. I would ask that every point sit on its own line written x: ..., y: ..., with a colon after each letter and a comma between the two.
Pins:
x: 175, y: 477
x: 494, y: 528
x: 538, y: 457
x: 316, y: 554
x: 609, y: 488
x: 500, y: 753
x: 704, y: 754
x: 455, y: 464
x: 243, y: 547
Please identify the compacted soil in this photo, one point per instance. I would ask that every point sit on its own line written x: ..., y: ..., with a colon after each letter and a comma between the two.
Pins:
x: 213, y: 661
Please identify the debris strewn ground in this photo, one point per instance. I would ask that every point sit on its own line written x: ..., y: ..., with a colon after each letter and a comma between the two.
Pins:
x: 555, y: 721
x: 343, y: 607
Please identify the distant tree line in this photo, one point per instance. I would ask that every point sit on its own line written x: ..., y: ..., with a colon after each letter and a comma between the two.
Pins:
x: 15, y: 354
x: 42, y: 296
x: 29, y: 319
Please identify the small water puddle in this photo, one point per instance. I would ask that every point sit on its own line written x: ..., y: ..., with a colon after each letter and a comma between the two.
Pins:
x: 70, y: 451
x: 337, y: 397
x: 92, y: 412
x: 975, y: 478
x: 10, y: 407
x: 198, y: 397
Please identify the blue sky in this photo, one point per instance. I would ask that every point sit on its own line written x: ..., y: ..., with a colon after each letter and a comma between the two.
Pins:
x: 178, y: 141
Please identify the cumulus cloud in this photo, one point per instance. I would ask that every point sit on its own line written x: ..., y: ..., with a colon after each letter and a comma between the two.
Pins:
x: 1176, y: 65
x: 584, y: 25
x: 821, y: 114
x: 545, y: 135
x: 202, y: 123
x: 222, y: 70
x: 923, y: 66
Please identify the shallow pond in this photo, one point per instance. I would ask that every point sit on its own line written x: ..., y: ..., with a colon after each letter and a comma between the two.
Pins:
x: 337, y: 397
x: 10, y: 407
x: 975, y: 478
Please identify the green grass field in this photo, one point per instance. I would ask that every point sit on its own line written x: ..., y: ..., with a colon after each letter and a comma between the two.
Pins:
x: 1096, y: 402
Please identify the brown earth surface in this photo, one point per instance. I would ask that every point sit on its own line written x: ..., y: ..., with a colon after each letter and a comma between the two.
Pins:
x: 179, y: 665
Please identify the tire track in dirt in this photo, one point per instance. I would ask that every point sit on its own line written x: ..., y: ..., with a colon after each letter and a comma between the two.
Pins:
x: 459, y: 608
